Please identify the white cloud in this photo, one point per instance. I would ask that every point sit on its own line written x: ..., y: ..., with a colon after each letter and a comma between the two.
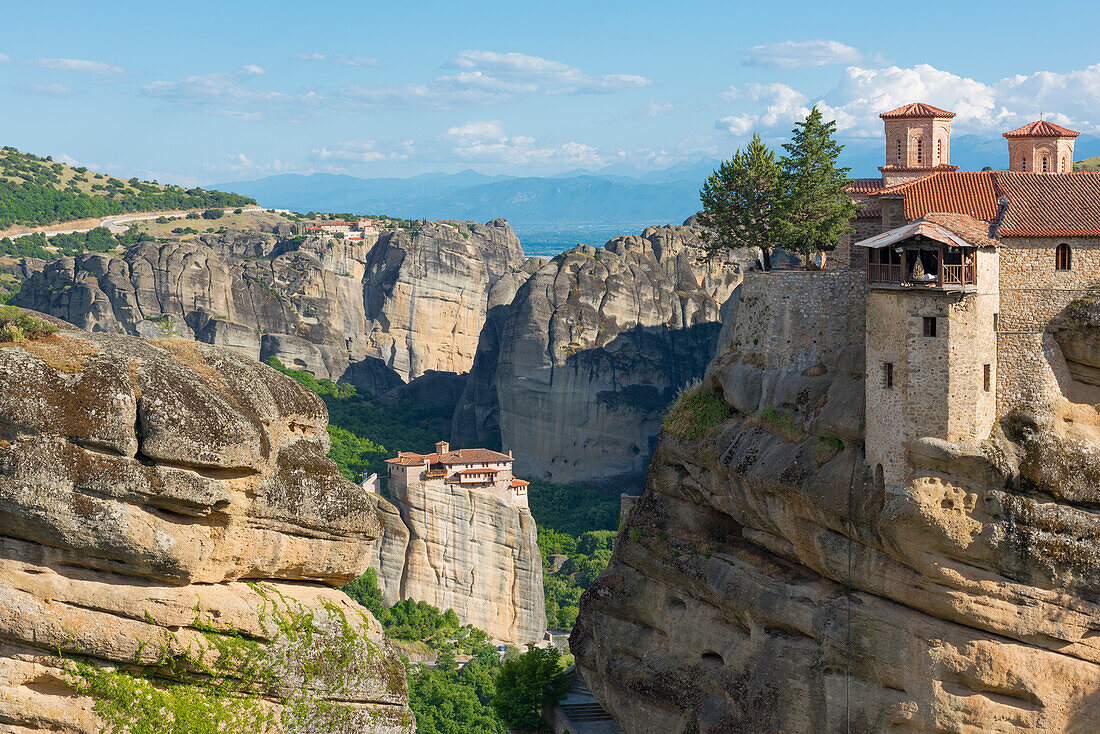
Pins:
x: 770, y: 105
x: 360, y: 152
x: 80, y: 65
x: 225, y: 95
x: 5, y: 59
x: 553, y: 77
x: 656, y: 109
x: 796, y: 54
x: 339, y: 59
x: 253, y: 70
x: 51, y: 90
x: 68, y: 160
x: 485, y: 141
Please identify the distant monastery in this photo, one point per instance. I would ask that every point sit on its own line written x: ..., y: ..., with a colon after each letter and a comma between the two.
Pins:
x: 479, y: 470
x: 964, y: 274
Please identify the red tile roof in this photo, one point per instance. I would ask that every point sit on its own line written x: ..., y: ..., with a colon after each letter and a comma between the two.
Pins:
x: 865, y: 185
x: 916, y: 110
x: 1036, y: 204
x: 950, y: 229
x: 478, y: 471
x: 519, y: 483
x: 458, y: 456
x: 1042, y: 129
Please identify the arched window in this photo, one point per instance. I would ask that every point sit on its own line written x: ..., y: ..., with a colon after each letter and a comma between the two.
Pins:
x: 1062, y: 165
x: 899, y: 152
x: 920, y: 159
x: 939, y: 151
x: 1045, y: 164
x: 1063, y: 257
x: 1023, y: 164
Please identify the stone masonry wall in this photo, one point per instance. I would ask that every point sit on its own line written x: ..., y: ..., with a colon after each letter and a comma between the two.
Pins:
x: 788, y: 318
x: 1033, y: 292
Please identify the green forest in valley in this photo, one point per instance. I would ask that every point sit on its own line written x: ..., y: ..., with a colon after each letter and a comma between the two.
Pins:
x: 37, y: 191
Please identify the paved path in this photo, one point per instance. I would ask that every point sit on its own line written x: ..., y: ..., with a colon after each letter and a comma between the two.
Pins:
x: 116, y: 224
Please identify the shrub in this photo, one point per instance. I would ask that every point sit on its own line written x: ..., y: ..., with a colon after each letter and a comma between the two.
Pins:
x: 213, y: 214
x: 826, y: 450
x: 16, y: 326
x: 696, y: 413
x: 779, y: 423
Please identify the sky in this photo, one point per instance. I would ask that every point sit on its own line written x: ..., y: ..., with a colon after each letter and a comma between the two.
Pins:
x: 203, y: 92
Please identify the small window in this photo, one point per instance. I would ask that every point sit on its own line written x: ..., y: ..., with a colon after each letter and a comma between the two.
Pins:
x: 899, y: 152
x: 920, y: 159
x: 996, y: 320
x: 1063, y: 257
x: 1023, y: 164
x: 939, y: 151
x: 929, y: 325
x: 888, y: 375
x: 1045, y: 165
x: 987, y: 375
x: 1062, y: 165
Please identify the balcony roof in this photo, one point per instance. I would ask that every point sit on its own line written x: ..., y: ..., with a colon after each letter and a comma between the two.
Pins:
x: 957, y: 230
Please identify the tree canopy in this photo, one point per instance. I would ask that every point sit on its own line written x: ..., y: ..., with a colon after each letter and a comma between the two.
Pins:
x: 525, y: 684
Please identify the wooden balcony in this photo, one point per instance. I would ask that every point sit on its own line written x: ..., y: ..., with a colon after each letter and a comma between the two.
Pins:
x: 946, y: 268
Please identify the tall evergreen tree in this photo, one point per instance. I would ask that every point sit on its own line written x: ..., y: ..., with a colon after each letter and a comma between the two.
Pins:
x: 817, y: 207
x: 741, y: 201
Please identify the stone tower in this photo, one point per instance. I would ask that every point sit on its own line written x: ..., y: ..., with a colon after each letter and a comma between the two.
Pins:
x: 931, y: 346
x: 918, y: 142
x: 1041, y: 147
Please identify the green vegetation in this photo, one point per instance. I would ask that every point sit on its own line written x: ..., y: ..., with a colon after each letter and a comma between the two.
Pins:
x: 695, y: 413
x: 1089, y: 164
x: 528, y: 682
x: 36, y: 191
x: 779, y: 423
x: 69, y: 245
x: 217, y: 683
x: 353, y: 416
x: 741, y: 202
x: 801, y: 203
x: 16, y: 326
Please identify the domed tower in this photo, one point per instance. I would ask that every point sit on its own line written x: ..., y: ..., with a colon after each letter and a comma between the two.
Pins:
x: 918, y: 142
x: 1041, y: 147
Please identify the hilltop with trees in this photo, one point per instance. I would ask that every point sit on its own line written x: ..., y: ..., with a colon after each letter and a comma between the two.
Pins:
x: 38, y: 191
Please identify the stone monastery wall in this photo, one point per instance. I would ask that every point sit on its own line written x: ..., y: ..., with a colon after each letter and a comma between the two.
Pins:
x: 790, y: 318
x: 1033, y: 292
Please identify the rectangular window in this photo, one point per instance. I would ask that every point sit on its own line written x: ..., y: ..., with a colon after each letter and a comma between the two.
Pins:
x: 987, y: 376
x: 888, y: 375
x: 929, y: 325
x: 996, y: 318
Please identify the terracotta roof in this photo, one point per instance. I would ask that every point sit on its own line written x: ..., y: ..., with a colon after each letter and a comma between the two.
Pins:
x: 478, y: 471
x: 1037, y: 205
x: 950, y: 229
x: 917, y: 110
x: 865, y: 185
x: 870, y: 212
x: 405, y: 458
x: 1042, y: 129
x: 519, y: 483
x: 473, y: 456
x: 972, y: 193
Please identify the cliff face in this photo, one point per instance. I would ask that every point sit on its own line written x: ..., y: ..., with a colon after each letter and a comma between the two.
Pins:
x: 464, y: 550
x: 374, y: 312
x: 594, y: 347
x: 167, y: 508
x: 974, y: 586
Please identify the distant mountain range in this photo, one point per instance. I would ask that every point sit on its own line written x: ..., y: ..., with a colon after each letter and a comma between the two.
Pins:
x: 614, y: 197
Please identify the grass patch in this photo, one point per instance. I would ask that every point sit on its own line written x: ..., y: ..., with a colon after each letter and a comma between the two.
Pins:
x: 779, y: 423
x: 826, y: 449
x: 16, y: 326
x: 696, y: 413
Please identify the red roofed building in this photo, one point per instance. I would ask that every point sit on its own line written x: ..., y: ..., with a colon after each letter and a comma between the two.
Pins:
x: 1041, y: 147
x: 481, y: 470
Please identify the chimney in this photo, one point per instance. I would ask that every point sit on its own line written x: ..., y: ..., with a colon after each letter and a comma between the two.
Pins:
x: 442, y: 447
x: 509, y: 453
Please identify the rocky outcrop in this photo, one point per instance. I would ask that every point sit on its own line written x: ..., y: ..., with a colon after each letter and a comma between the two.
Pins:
x: 592, y: 350
x: 764, y: 583
x: 465, y: 550
x: 375, y: 312
x: 167, y: 514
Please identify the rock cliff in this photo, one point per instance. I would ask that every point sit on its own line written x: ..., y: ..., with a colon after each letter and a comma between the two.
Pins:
x: 593, y: 348
x: 377, y: 312
x: 974, y: 588
x: 167, y: 513
x: 465, y: 550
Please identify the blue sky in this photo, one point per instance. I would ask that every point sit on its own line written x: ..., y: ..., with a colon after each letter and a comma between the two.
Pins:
x: 204, y: 92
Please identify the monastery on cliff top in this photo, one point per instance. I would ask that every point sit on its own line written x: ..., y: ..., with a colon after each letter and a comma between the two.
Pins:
x: 967, y: 274
x: 480, y: 470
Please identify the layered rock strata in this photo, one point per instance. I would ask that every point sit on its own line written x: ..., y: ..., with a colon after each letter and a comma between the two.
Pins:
x: 462, y: 549
x: 764, y: 582
x: 167, y: 513
x: 592, y: 350
x: 376, y: 312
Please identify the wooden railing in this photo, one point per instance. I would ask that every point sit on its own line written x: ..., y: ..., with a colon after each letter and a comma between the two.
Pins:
x: 435, y: 473
x: 884, y: 273
x: 962, y: 274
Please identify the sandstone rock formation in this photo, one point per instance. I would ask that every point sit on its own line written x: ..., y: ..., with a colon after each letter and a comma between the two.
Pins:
x: 593, y: 348
x: 166, y: 508
x: 465, y: 550
x: 975, y: 588
x: 376, y: 312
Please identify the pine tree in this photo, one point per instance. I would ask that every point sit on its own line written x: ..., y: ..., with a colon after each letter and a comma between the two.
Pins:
x: 817, y: 207
x: 741, y: 201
